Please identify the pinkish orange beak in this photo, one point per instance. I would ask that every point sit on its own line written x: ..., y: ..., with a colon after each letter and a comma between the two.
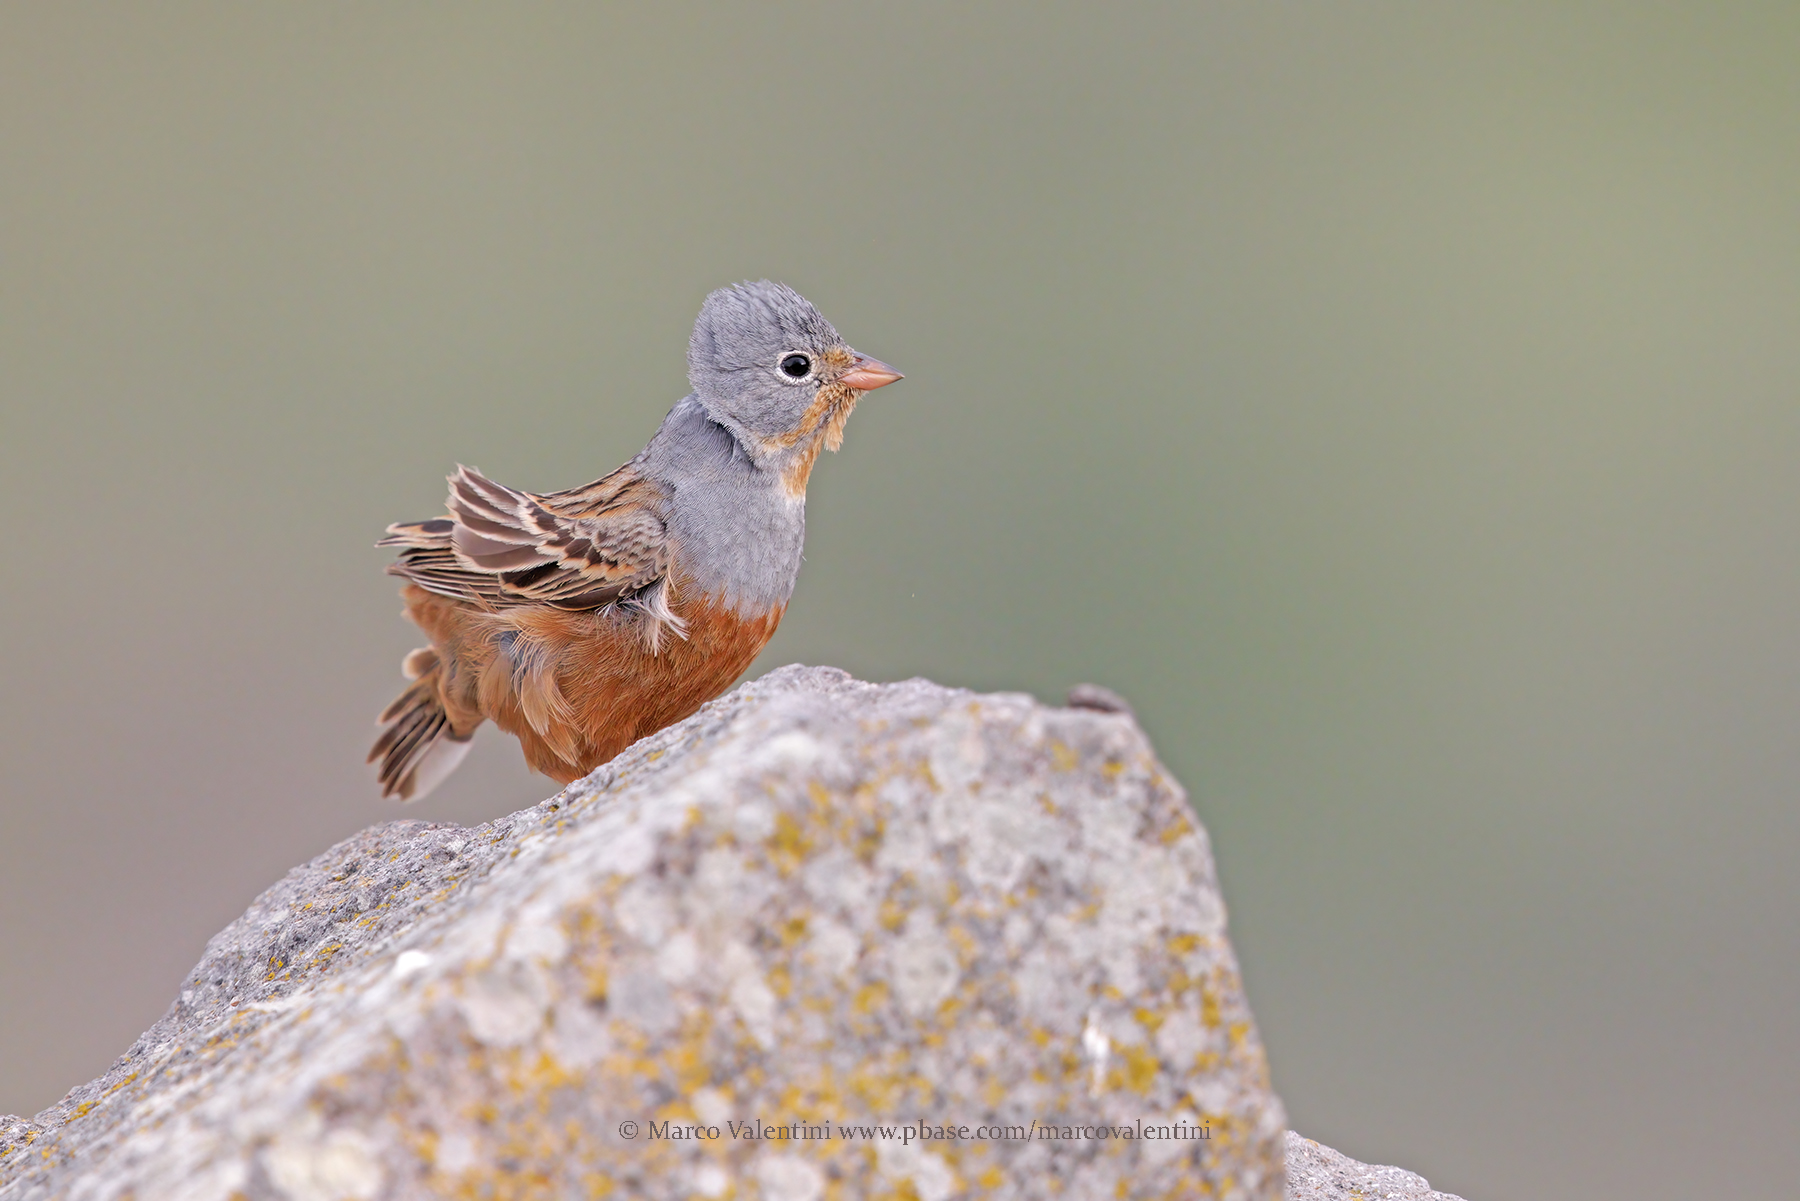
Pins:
x: 867, y: 374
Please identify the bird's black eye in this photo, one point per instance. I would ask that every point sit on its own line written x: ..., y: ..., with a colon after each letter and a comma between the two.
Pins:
x: 795, y: 366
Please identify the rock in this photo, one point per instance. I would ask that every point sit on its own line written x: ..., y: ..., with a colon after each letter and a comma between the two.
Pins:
x: 824, y: 938
x: 1317, y: 1173
x: 1099, y: 698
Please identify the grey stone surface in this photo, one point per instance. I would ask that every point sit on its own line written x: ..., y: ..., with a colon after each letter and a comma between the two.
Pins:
x: 817, y: 904
x: 1317, y: 1173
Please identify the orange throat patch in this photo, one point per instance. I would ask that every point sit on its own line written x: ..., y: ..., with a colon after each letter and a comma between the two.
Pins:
x: 822, y: 428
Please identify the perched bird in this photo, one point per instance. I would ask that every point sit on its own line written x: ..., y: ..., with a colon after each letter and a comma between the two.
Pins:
x: 584, y: 620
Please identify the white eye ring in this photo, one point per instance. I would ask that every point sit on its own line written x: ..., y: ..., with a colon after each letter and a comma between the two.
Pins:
x: 795, y: 365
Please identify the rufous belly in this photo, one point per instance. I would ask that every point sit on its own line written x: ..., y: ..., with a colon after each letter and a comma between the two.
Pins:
x: 578, y: 688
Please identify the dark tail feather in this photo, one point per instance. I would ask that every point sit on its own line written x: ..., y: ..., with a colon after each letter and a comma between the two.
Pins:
x: 417, y: 749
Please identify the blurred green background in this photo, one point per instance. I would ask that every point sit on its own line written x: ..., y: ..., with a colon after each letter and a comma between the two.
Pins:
x: 1399, y: 403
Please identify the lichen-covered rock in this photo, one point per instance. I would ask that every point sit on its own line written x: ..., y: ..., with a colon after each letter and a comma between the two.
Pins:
x: 825, y: 939
x: 1317, y: 1173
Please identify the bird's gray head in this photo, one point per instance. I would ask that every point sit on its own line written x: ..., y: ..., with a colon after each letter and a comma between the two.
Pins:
x: 767, y: 366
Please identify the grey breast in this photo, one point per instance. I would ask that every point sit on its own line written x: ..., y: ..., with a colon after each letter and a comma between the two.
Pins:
x: 738, y: 534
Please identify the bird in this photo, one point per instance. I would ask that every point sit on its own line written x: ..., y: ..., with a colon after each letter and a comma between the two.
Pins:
x: 584, y: 620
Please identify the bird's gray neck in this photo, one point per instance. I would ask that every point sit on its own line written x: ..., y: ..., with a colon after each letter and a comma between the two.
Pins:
x: 738, y: 533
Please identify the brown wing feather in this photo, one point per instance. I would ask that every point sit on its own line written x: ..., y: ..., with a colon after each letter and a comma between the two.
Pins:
x: 599, y: 544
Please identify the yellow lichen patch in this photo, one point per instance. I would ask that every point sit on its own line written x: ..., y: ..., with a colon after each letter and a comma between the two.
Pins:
x: 594, y: 980
x: 678, y: 1110
x: 1150, y: 1019
x: 1209, y: 1009
x: 1063, y: 757
x: 781, y: 981
x: 868, y: 841
x: 930, y: 780
x: 422, y: 1141
x: 1181, y: 944
x: 1140, y: 1069
x: 881, y: 1092
x: 81, y: 1110
x: 788, y: 845
x: 816, y: 1100
x: 870, y: 997
x: 688, y: 1061
x: 893, y: 914
x: 793, y: 930
x: 546, y: 1073
x: 992, y: 1178
x: 1112, y: 769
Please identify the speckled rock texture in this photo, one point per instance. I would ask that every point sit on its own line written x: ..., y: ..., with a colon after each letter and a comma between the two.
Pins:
x: 1317, y: 1173
x: 825, y: 939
